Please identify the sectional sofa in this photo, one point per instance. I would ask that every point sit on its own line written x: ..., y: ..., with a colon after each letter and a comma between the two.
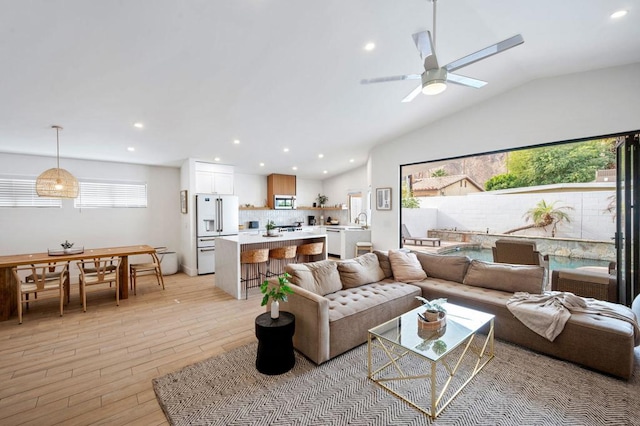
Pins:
x: 337, y: 302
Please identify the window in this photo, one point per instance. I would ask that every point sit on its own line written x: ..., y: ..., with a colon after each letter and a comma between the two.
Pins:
x: 21, y: 192
x: 111, y: 195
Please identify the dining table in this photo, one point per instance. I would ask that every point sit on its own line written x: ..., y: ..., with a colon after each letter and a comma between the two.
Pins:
x: 9, y: 286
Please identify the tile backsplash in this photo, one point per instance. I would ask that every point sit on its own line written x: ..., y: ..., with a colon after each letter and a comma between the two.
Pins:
x: 288, y: 217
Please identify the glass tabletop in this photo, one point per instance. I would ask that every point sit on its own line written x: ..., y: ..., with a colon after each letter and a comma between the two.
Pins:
x: 403, y: 331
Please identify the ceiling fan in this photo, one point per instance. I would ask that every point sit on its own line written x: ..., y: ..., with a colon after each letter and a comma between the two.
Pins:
x: 435, y: 78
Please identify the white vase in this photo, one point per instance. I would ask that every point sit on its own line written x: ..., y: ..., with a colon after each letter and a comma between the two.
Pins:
x: 275, y: 309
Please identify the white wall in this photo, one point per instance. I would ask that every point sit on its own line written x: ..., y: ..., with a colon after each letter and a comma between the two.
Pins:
x: 491, y: 213
x: 27, y: 230
x: 548, y: 110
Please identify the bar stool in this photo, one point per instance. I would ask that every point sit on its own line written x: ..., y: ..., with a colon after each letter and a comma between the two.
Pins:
x: 252, y: 260
x: 311, y: 249
x: 281, y: 256
x: 363, y: 246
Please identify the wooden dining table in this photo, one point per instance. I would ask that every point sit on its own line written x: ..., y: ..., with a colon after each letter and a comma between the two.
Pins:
x: 9, y: 287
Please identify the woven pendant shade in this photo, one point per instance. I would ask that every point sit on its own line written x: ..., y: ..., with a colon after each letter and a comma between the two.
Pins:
x: 57, y: 182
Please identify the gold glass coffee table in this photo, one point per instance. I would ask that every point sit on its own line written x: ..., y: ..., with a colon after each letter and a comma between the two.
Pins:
x: 427, y: 369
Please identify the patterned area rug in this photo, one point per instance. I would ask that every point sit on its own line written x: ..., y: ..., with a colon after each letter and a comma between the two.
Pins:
x: 517, y: 387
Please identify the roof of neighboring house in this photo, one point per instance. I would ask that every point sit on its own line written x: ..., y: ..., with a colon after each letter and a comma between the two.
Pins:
x: 436, y: 183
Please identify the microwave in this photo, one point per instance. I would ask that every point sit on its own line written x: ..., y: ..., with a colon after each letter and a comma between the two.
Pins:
x: 284, y: 202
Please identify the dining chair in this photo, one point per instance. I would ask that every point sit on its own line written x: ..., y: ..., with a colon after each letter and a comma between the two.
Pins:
x: 154, y: 267
x: 98, y: 271
x: 34, y: 279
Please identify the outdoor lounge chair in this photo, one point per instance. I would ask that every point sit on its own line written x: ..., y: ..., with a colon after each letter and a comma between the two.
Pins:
x: 406, y: 236
x: 518, y: 252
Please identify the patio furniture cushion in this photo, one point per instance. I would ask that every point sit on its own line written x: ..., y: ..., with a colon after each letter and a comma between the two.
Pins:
x: 505, y: 277
x: 361, y: 270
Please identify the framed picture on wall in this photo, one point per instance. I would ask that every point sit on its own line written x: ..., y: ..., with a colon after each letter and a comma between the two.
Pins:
x: 183, y: 201
x: 383, y: 199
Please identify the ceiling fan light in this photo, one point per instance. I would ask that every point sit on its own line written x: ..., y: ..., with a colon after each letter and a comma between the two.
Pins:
x: 434, y: 81
x: 434, y: 87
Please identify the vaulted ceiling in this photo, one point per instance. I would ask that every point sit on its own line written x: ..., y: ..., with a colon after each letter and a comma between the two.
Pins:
x: 271, y: 74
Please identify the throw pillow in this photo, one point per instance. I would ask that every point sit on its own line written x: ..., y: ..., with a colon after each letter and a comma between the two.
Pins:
x: 406, y: 267
x: 362, y: 270
x: 505, y: 277
x: 320, y: 278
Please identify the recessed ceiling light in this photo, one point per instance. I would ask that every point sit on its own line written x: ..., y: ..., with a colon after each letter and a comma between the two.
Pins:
x: 295, y: 167
x: 261, y: 164
x: 131, y: 149
x: 352, y: 160
x: 619, y: 14
x: 216, y: 159
x: 236, y: 141
x: 369, y: 46
x: 286, y: 150
x: 138, y: 125
x: 325, y: 172
x: 320, y: 155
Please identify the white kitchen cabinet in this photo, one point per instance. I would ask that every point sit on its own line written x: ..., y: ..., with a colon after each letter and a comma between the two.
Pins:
x: 214, y: 178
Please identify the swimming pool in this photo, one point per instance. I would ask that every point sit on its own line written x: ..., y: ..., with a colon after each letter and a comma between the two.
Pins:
x: 555, y: 262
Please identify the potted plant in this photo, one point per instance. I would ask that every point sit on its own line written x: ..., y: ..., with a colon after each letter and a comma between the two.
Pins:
x: 276, y: 293
x: 434, y: 309
x: 66, y: 246
x: 322, y: 199
x: 271, y: 227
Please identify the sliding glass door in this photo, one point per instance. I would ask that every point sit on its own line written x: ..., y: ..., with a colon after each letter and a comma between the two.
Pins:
x: 628, y: 215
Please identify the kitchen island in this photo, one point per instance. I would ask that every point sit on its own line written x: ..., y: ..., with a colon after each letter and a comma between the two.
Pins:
x: 228, y: 251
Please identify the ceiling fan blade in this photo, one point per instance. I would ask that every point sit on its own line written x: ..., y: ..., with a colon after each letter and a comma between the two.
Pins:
x: 415, y: 92
x: 425, y: 47
x: 465, y: 81
x: 485, y: 53
x: 392, y: 78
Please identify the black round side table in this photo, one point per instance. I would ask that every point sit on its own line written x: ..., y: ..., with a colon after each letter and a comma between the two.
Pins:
x: 275, y: 343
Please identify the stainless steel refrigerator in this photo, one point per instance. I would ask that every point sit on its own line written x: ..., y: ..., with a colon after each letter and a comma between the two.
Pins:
x: 216, y: 215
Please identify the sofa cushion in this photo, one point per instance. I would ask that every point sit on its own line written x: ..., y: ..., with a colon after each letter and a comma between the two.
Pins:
x: 505, y: 277
x: 406, y: 267
x: 451, y: 268
x: 362, y: 270
x: 318, y: 277
x: 385, y: 265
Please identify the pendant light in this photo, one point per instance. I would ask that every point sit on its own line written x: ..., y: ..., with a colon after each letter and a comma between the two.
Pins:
x: 57, y: 182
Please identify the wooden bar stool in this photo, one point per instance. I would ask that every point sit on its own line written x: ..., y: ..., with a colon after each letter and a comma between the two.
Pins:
x: 251, y: 262
x: 363, y: 246
x: 311, y: 249
x: 281, y: 256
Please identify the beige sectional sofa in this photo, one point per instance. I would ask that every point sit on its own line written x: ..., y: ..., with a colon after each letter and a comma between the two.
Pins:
x: 335, y: 303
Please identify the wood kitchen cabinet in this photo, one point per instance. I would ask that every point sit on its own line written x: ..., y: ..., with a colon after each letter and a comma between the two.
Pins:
x: 280, y: 185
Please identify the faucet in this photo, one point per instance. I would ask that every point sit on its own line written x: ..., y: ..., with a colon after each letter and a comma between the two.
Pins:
x: 365, y: 219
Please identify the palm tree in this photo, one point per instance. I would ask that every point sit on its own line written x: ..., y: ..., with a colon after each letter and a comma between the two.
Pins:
x: 544, y: 215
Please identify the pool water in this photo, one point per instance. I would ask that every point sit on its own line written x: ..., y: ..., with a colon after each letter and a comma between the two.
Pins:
x: 555, y: 262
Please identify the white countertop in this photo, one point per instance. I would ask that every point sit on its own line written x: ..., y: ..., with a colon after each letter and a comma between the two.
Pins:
x: 258, y: 237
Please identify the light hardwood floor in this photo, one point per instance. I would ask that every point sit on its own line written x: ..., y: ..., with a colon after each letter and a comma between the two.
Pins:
x: 96, y: 367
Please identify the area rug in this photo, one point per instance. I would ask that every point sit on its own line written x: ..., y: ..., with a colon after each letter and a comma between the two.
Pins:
x: 518, y: 387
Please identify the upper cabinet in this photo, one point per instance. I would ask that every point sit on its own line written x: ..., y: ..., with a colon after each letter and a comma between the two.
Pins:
x: 214, y: 178
x: 280, y: 185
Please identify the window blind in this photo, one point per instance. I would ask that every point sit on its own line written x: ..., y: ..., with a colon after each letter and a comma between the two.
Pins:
x: 111, y: 195
x: 21, y: 192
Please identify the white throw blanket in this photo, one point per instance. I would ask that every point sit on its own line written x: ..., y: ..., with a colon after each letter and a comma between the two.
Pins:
x: 547, y: 313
